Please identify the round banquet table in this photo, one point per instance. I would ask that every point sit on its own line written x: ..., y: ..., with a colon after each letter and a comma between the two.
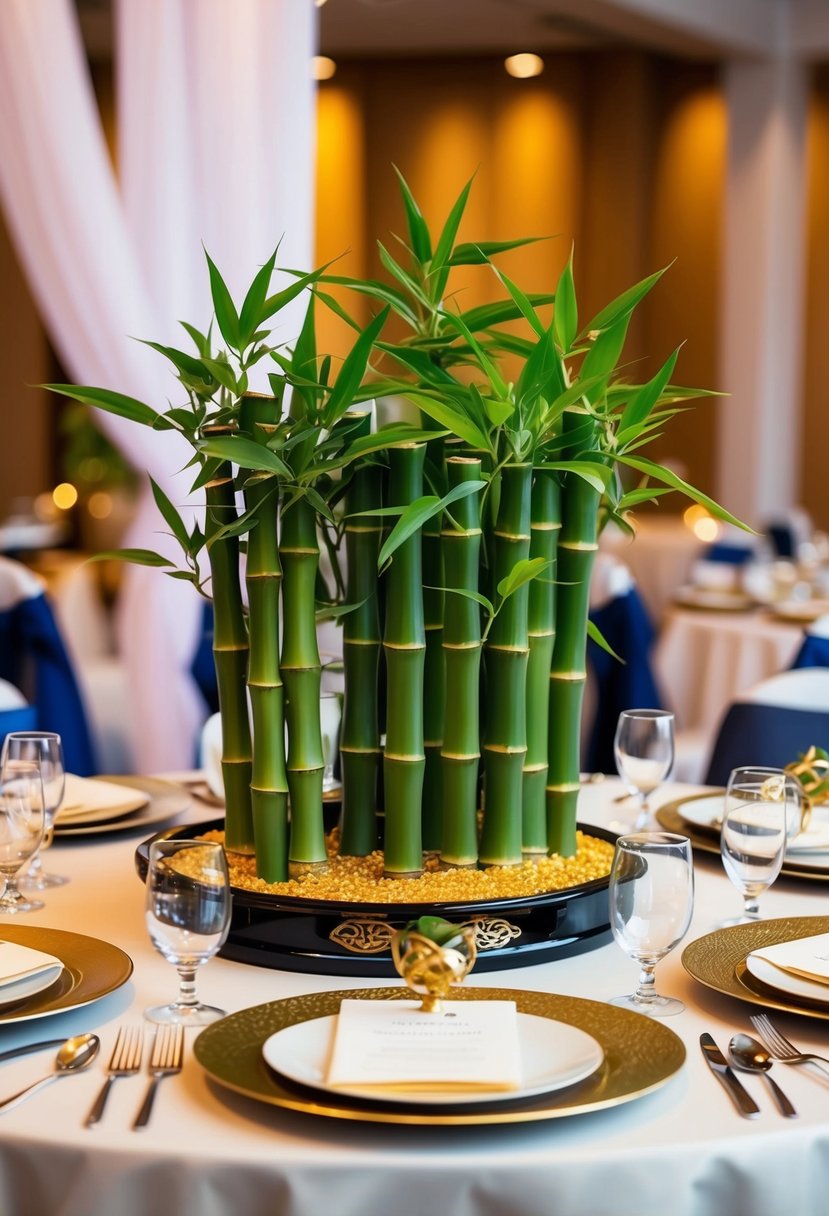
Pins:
x: 211, y: 1152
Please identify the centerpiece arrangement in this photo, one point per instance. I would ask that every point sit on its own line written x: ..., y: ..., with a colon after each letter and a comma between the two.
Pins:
x: 460, y: 552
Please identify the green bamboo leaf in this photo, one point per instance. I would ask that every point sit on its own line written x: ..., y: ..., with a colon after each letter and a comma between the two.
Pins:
x: 208, y: 472
x: 239, y: 526
x: 251, y: 315
x: 641, y: 403
x: 484, y: 316
x: 522, y: 302
x: 226, y: 315
x: 596, y: 475
x: 475, y: 596
x: 383, y: 292
x: 648, y: 494
x: 170, y: 515
x: 277, y: 302
x: 353, y: 369
x: 623, y: 305
x: 246, y: 453
x: 194, y: 368
x: 333, y: 612
x: 419, y: 361
x: 523, y: 572
x: 595, y: 633
x: 419, y: 512
x: 200, y: 341
x: 488, y: 367
x: 106, y: 399
x: 450, y: 418
x: 565, y: 314
x: 223, y: 372
x: 138, y: 557
x: 446, y: 241
x: 418, y: 229
x: 604, y: 353
x: 334, y: 305
x: 396, y: 271
x: 393, y: 435
x: 669, y: 478
x: 304, y: 361
x: 478, y: 252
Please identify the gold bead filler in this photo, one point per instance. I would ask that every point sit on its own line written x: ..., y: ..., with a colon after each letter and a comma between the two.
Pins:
x: 360, y: 880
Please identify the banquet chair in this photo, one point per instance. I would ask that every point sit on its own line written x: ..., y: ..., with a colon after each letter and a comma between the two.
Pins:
x: 773, y: 723
x: 814, y: 649
x: 34, y: 660
x: 617, y: 611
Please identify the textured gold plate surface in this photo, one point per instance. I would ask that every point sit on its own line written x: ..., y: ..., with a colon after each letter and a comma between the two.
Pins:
x: 707, y: 840
x: 718, y: 960
x: 166, y: 800
x: 640, y: 1054
x: 91, y: 969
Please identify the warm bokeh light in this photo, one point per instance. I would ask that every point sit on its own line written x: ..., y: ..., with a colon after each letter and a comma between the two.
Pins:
x: 99, y: 505
x: 324, y: 68
x: 703, y: 525
x: 64, y: 496
x: 43, y: 507
x: 523, y: 66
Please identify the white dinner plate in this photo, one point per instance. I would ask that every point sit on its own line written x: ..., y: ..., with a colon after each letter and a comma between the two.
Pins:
x: 553, y: 1056
x: 706, y: 813
x: 88, y: 800
x: 801, y: 612
x: 796, y: 986
x: 160, y: 801
x: 713, y: 599
x: 21, y: 990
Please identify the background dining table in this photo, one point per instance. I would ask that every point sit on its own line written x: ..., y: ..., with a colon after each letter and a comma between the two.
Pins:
x: 211, y: 1152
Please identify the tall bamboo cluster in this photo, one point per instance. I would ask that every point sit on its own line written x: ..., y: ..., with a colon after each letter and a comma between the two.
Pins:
x: 461, y: 550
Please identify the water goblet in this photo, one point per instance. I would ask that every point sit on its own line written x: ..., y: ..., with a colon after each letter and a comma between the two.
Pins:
x: 21, y: 829
x: 188, y: 916
x: 651, y: 900
x: 762, y: 809
x: 644, y: 751
x: 45, y: 749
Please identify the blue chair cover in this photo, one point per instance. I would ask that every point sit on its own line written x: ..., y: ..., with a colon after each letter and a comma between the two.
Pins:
x: 781, y: 537
x: 203, y: 668
x: 24, y: 718
x: 773, y: 735
x: 33, y: 657
x: 624, y: 624
x: 814, y: 652
x: 731, y: 555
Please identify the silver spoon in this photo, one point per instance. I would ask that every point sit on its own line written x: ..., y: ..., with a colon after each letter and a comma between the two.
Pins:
x: 73, y: 1055
x: 749, y: 1055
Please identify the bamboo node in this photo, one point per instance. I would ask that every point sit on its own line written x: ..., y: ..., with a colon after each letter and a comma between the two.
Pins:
x: 573, y: 676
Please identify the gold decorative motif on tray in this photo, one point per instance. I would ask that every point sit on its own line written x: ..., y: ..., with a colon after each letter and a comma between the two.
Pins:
x: 370, y: 935
x: 718, y: 960
x: 640, y: 1055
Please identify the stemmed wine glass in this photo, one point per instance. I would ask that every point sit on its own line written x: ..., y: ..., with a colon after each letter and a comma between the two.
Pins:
x: 188, y: 917
x: 45, y: 749
x: 644, y: 750
x: 651, y: 901
x: 21, y: 828
x: 762, y: 809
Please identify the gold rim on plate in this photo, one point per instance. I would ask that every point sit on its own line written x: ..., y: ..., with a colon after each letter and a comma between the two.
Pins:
x: 718, y: 960
x: 707, y: 840
x: 640, y: 1055
x: 166, y: 800
x: 91, y: 969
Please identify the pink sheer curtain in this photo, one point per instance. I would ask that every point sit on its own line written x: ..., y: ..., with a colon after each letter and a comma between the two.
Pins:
x: 215, y: 146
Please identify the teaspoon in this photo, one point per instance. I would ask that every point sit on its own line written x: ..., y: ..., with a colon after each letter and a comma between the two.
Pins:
x: 73, y: 1055
x: 750, y: 1056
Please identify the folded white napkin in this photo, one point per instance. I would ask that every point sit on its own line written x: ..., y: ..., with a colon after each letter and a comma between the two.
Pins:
x: 22, y: 963
x: 85, y: 795
x: 807, y: 957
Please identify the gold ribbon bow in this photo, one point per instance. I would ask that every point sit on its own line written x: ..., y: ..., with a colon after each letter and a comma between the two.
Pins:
x: 812, y: 773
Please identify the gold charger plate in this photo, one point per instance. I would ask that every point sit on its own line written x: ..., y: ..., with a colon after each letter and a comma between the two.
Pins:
x: 166, y: 800
x: 91, y: 969
x: 707, y: 840
x: 640, y: 1055
x: 718, y: 960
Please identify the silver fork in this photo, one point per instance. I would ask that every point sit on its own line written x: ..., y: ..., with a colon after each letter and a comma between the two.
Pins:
x: 166, y: 1060
x: 779, y: 1045
x: 124, y: 1061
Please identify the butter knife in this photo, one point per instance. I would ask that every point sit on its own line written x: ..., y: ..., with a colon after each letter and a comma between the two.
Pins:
x: 718, y: 1064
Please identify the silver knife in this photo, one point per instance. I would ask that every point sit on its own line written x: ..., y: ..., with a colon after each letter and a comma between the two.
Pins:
x: 718, y: 1064
x: 23, y: 1051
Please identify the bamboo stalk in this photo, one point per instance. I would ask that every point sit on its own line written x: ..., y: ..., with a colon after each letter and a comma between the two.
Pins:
x: 544, y: 530
x: 230, y: 655
x: 460, y: 753
x: 301, y: 672
x: 259, y: 415
x: 434, y: 681
x: 404, y: 646
x: 577, y: 548
x: 506, y: 652
x: 360, y: 741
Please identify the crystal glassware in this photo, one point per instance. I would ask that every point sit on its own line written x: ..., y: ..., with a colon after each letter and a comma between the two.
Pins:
x: 644, y: 751
x: 21, y: 828
x: 45, y: 749
x: 762, y: 809
x: 188, y: 917
x: 651, y: 901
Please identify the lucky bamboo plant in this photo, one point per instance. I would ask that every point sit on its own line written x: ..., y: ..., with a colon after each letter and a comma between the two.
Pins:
x: 461, y: 550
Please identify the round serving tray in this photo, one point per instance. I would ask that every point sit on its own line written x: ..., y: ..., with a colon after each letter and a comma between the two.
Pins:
x: 328, y: 937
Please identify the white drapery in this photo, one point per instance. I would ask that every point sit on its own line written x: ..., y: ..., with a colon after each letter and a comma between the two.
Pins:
x: 215, y: 147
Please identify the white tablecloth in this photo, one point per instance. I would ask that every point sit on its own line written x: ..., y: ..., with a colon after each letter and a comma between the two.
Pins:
x: 207, y: 1152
